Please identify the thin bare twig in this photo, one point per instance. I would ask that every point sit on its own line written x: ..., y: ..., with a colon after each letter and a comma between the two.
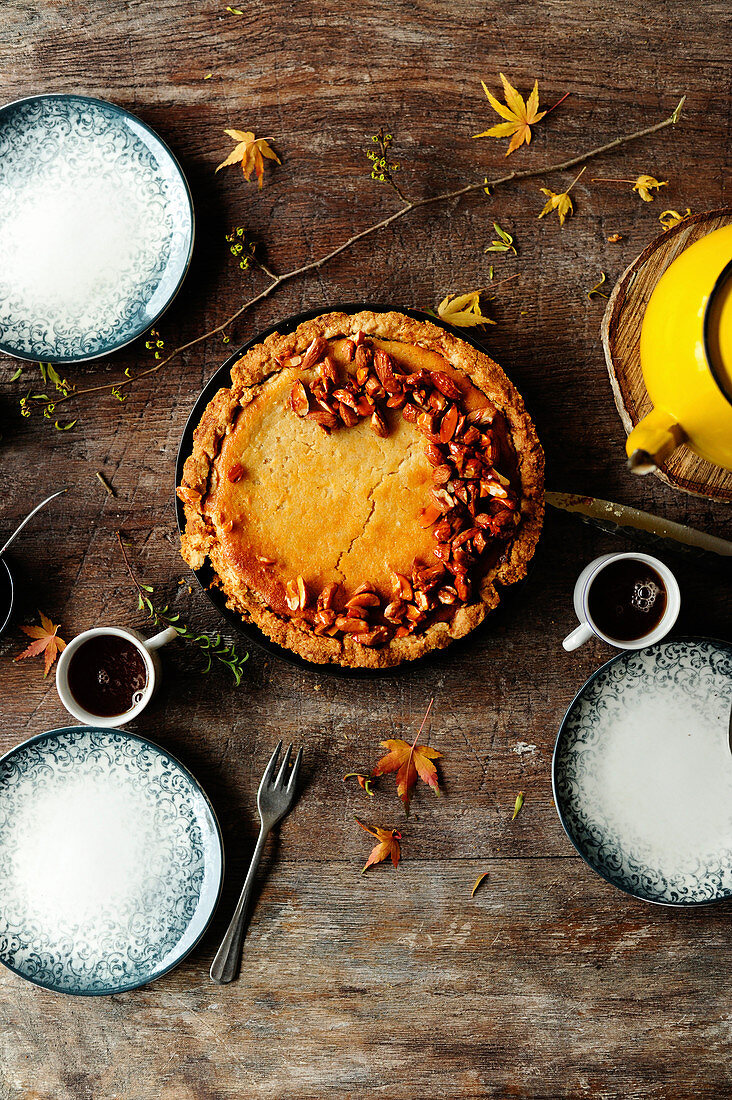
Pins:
x: 101, y: 478
x: 409, y: 206
x: 133, y: 578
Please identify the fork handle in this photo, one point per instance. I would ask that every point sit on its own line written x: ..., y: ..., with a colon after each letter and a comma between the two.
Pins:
x: 225, y: 966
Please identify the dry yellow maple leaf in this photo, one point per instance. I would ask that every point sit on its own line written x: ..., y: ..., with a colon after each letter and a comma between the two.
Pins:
x: 520, y: 115
x: 670, y: 218
x: 463, y: 311
x: 46, y: 641
x: 645, y: 184
x: 560, y: 202
x: 250, y: 152
x: 387, y: 848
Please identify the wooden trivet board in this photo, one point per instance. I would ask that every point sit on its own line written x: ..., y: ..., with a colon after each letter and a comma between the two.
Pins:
x: 621, y: 328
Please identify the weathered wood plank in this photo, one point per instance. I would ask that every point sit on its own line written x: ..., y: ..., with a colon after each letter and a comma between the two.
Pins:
x: 394, y: 985
x: 398, y: 985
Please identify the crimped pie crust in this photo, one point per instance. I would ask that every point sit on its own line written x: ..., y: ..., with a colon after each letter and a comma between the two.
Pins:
x: 261, y: 381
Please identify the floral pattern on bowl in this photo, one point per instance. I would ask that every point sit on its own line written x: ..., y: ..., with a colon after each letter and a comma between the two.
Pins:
x: 111, y: 861
x: 643, y: 772
x: 96, y: 228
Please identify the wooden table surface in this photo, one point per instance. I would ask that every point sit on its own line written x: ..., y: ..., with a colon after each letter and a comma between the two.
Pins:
x: 549, y: 983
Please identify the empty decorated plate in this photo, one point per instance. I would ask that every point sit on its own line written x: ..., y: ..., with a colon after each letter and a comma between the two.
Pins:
x: 96, y: 228
x: 111, y: 861
x: 643, y: 772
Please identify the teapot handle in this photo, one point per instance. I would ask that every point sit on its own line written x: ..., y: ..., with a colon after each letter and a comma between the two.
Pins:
x: 652, y: 440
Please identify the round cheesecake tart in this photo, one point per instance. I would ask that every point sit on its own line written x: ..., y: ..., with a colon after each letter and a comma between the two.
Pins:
x: 364, y: 488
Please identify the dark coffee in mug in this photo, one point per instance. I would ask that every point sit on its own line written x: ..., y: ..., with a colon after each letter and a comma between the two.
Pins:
x: 107, y: 675
x: 627, y: 599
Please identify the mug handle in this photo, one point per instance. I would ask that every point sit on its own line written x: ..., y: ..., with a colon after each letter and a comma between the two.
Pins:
x: 160, y: 639
x: 578, y: 637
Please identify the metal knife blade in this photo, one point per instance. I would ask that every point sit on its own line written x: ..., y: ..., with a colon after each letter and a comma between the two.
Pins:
x: 652, y: 531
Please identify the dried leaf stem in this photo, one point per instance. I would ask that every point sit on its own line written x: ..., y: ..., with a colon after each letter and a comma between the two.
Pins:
x: 408, y: 207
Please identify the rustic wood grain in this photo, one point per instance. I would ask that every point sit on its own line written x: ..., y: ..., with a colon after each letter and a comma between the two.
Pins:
x: 396, y: 984
x: 621, y: 328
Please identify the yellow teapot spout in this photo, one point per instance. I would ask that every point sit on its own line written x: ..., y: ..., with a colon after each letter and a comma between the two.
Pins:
x: 652, y: 440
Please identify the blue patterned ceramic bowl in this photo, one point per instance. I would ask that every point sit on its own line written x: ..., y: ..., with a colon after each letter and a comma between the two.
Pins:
x: 642, y: 772
x: 111, y: 861
x: 96, y: 228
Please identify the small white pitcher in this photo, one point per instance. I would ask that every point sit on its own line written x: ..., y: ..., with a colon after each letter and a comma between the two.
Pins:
x: 589, y: 629
x: 146, y: 647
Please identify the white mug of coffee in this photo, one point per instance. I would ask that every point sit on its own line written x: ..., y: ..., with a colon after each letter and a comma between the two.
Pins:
x: 108, y: 675
x: 628, y: 600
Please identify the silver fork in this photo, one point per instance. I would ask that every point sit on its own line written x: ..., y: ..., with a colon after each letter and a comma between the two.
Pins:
x: 275, y: 798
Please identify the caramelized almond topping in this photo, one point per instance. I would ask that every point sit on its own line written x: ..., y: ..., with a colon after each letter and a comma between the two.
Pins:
x: 299, y: 399
x: 315, y: 352
x: 236, y: 472
x: 445, y: 385
x: 188, y: 495
x: 471, y: 502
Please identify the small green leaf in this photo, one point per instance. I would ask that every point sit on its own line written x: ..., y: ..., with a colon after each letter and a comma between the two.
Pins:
x: 65, y: 427
x: 505, y: 242
x: 517, y: 805
x: 17, y: 375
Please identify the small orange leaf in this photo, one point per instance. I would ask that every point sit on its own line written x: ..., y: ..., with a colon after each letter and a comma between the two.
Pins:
x: 250, y: 152
x: 387, y: 848
x: 364, y: 782
x: 410, y: 762
x: 46, y: 641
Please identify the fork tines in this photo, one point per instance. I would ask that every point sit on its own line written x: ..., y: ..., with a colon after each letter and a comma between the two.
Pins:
x: 283, y: 781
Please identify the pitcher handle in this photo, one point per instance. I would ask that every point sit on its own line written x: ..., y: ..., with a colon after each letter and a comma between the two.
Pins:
x: 160, y: 639
x: 578, y: 637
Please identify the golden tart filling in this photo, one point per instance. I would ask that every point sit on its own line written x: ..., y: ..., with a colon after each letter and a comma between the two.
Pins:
x: 362, y: 486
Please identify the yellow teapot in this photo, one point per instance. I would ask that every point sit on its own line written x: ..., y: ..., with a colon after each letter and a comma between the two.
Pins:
x: 686, y: 356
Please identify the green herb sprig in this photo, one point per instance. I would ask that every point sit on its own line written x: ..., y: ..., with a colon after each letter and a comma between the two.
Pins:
x: 49, y: 376
x: 382, y: 170
x: 211, y: 645
x: 505, y: 242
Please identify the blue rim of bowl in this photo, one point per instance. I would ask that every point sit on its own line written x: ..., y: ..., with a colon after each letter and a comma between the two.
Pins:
x: 6, y: 349
x: 111, y: 990
x: 625, y: 655
x: 11, y: 581
x: 204, y: 575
